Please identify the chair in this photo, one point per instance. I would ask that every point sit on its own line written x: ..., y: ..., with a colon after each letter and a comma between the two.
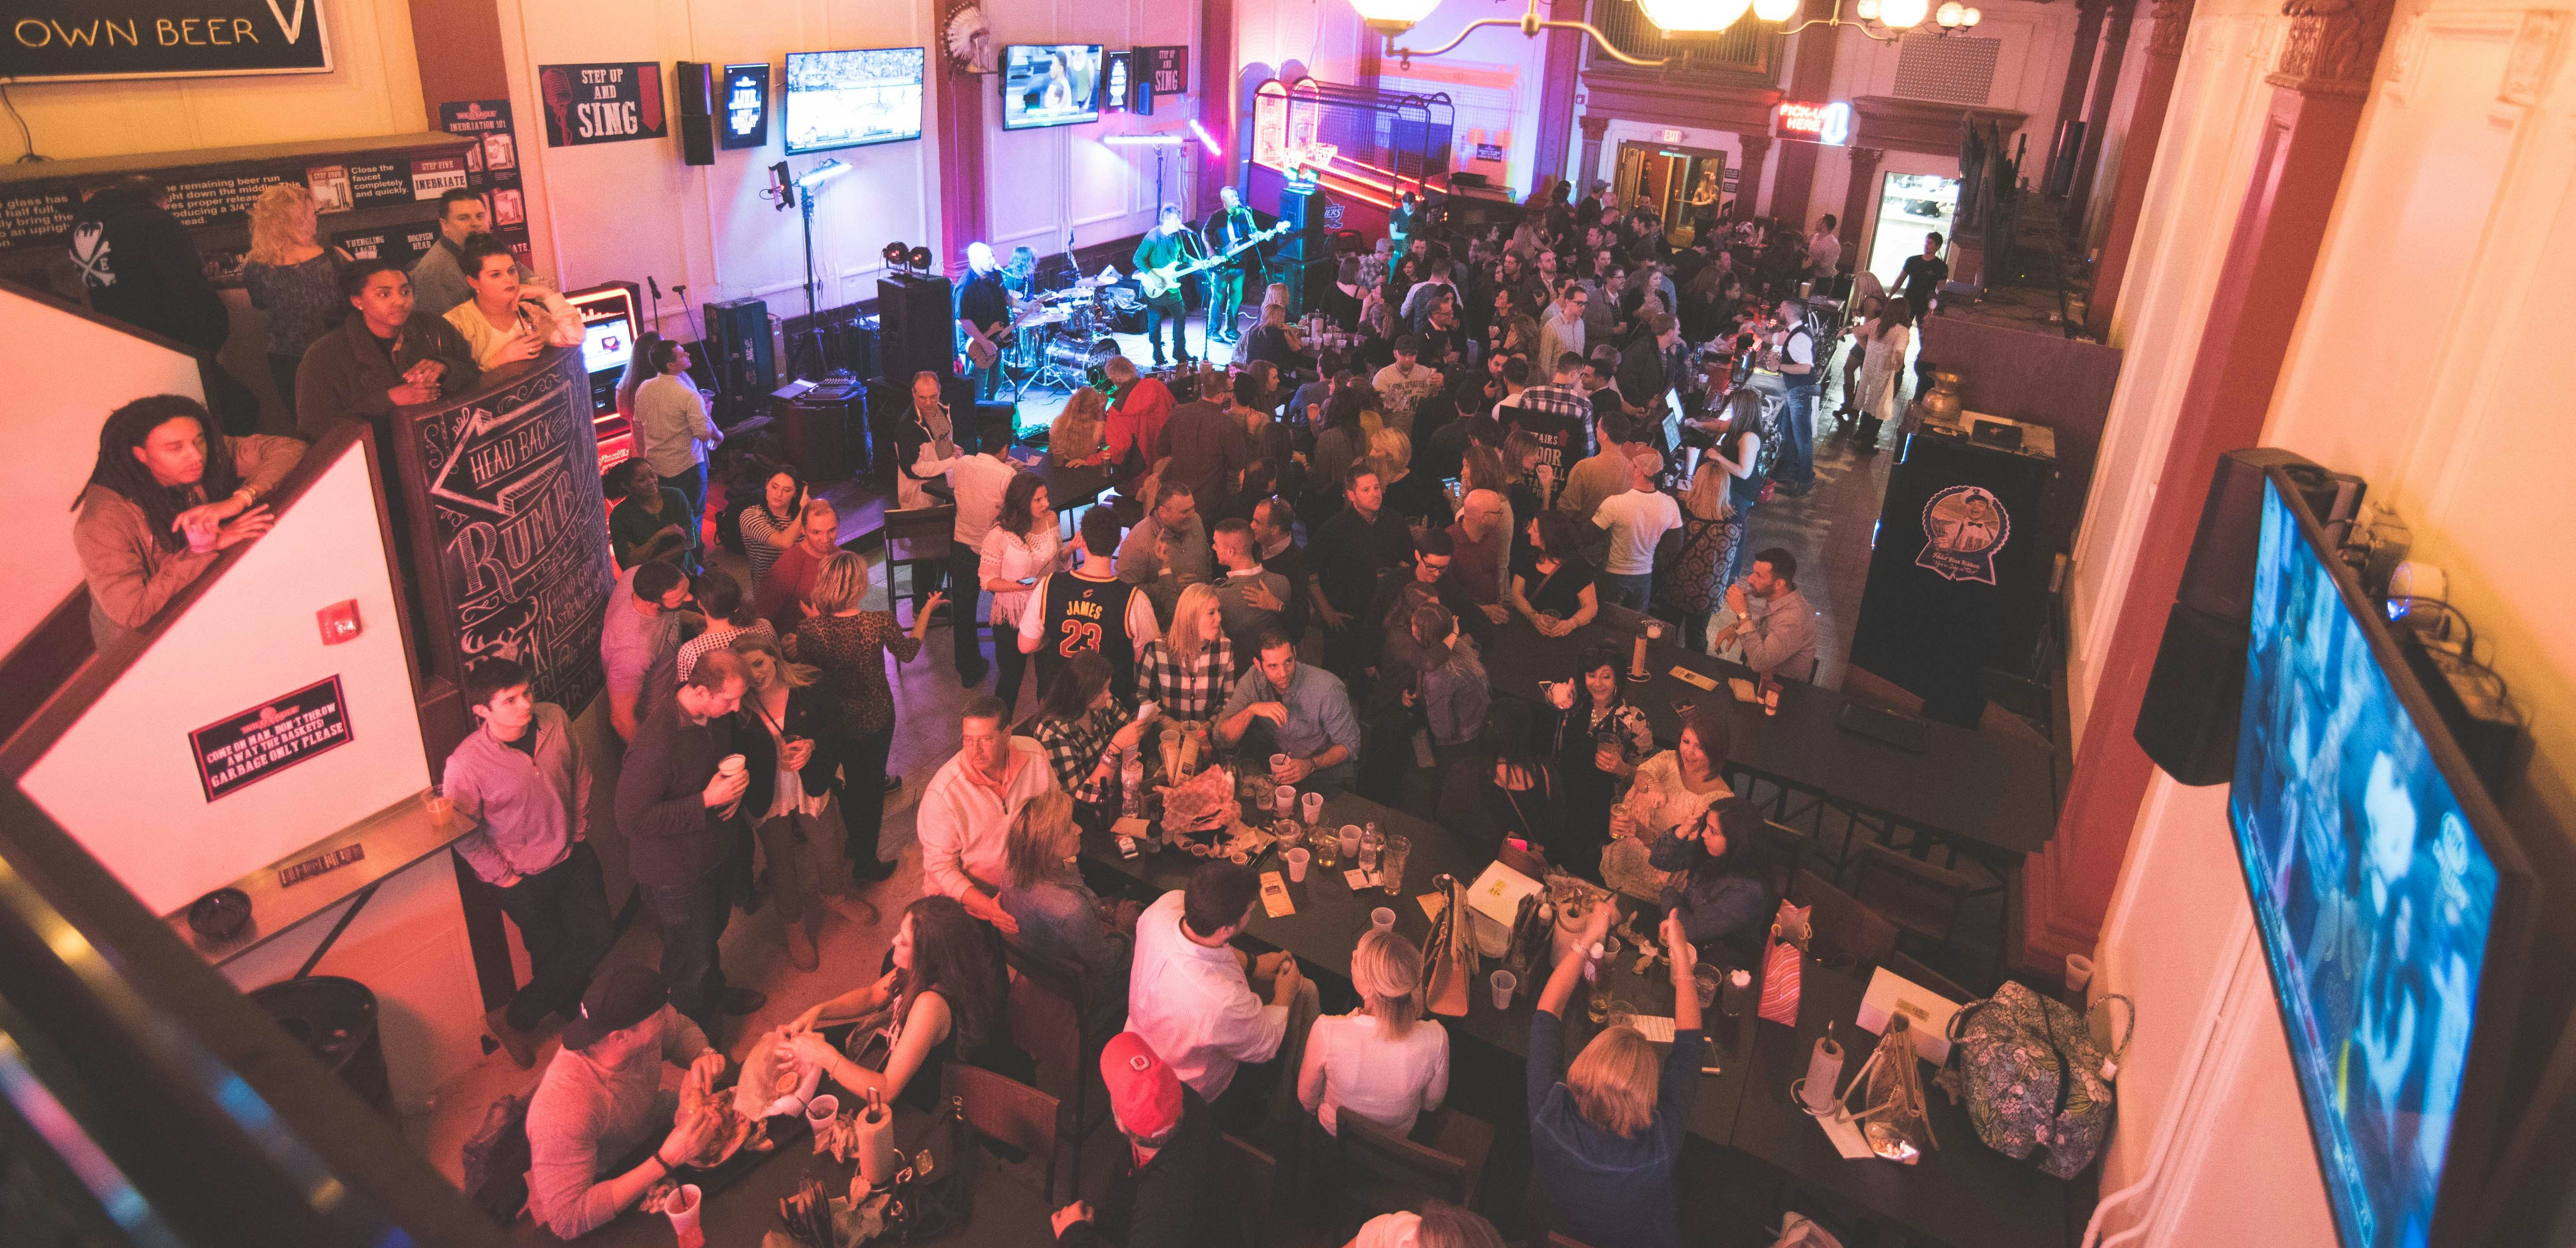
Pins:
x: 1006, y: 1110
x: 913, y: 537
x: 1919, y: 898
x: 1781, y: 853
x: 1844, y: 931
x: 1403, y: 1173
x: 1906, y: 965
x: 1048, y: 1018
x: 1251, y: 1176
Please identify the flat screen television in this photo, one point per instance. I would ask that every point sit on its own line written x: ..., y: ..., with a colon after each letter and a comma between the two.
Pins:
x: 851, y: 99
x: 1050, y: 84
x: 2389, y: 895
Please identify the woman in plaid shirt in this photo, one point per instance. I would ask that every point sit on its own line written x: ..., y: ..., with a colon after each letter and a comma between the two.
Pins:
x: 1190, y: 670
x: 1083, y: 727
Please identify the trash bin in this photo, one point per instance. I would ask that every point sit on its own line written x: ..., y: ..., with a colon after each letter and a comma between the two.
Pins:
x: 334, y: 1018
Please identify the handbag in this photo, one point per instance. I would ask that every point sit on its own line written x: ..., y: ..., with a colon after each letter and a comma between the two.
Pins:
x: 933, y: 1195
x: 1780, y: 966
x: 2037, y: 1087
x: 1446, y: 989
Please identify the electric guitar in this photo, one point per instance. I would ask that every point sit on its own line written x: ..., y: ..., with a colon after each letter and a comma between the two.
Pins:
x: 1158, y: 282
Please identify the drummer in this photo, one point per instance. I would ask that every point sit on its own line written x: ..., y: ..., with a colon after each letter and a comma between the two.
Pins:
x: 602, y: 1096
x: 1020, y: 276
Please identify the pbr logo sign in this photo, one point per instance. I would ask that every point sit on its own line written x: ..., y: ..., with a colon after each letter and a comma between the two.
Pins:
x: 1964, y: 528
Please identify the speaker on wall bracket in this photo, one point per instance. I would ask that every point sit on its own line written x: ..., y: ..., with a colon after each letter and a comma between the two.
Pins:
x: 697, y: 86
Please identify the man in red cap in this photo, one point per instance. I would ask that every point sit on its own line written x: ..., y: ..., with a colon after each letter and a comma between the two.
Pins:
x: 1170, y: 1136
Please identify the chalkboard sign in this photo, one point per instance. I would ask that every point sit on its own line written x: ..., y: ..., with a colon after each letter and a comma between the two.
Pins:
x: 75, y: 39
x: 240, y: 750
x: 515, y: 545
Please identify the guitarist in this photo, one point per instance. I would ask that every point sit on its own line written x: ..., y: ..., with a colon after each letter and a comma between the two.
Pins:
x: 1231, y: 225
x: 1165, y: 246
x: 984, y: 317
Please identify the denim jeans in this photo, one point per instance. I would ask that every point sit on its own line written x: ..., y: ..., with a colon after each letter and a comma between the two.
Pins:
x: 1175, y: 313
x: 1797, y: 466
x: 692, y: 917
x: 562, y: 916
x: 1632, y: 592
x: 692, y: 486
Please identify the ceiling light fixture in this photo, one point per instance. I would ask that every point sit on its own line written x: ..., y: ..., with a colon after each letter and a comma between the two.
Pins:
x: 1884, y: 20
x: 1390, y: 18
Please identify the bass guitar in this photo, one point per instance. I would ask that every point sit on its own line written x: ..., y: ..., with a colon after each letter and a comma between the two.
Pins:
x: 1157, y: 282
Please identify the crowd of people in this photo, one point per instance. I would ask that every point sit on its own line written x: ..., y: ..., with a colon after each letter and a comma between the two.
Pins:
x: 1311, y: 554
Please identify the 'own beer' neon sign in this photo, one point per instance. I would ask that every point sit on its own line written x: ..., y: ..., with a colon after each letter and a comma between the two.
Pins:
x: 1828, y: 123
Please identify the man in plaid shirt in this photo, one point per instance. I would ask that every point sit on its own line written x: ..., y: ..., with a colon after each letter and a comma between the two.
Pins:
x: 1553, y: 414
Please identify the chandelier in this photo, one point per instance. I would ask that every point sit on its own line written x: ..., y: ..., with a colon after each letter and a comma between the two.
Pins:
x: 1896, y: 18
x: 1884, y: 20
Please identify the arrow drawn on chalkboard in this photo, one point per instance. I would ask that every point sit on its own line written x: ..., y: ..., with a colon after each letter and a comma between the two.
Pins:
x: 483, y: 420
x: 294, y: 29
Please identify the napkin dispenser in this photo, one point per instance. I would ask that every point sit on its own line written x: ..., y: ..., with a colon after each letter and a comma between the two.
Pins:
x: 1495, y: 901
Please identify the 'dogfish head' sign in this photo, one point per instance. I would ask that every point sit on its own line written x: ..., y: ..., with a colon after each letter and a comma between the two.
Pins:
x: 76, y: 39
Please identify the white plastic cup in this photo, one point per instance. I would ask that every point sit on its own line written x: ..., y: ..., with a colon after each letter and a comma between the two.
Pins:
x: 2079, y: 972
x: 1297, y: 860
x: 1312, y: 805
x: 1278, y: 763
x: 1504, y: 982
x: 1284, y: 800
x: 1382, y: 918
x: 730, y: 765
x: 682, y: 1208
x: 1351, y: 841
x: 820, y: 1111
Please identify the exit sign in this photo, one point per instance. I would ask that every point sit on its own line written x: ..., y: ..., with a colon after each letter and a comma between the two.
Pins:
x: 1671, y: 136
x: 1826, y: 122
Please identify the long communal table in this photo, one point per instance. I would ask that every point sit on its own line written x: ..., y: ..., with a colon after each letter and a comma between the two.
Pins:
x: 1960, y: 1194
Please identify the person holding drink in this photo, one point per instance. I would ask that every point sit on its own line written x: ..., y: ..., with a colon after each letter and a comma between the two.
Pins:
x: 1718, y: 892
x: 1670, y: 793
x: 783, y: 716
x: 1598, y: 736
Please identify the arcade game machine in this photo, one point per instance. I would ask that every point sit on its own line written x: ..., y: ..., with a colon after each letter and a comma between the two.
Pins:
x: 609, y: 329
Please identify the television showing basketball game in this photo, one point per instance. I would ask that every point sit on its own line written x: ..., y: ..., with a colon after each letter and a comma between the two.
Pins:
x: 852, y: 99
x: 1050, y: 84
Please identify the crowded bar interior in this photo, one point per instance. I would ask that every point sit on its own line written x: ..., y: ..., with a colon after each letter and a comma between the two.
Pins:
x: 1394, y: 623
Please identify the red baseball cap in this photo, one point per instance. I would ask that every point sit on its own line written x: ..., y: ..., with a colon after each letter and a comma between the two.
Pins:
x: 1143, y: 1091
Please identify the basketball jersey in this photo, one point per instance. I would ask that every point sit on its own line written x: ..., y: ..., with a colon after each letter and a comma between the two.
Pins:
x: 1090, y: 615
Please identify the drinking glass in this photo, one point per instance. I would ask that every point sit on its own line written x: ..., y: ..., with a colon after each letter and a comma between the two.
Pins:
x: 1284, y: 800
x: 1390, y: 864
x: 1598, y: 1010
x: 1504, y: 982
x: 1704, y: 980
x: 1278, y: 764
x: 441, y: 807
x: 1350, y: 840
x: 1297, y: 860
x: 1326, y: 845
x: 1382, y: 918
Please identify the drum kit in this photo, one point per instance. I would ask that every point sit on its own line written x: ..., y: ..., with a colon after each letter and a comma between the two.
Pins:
x: 1061, y: 340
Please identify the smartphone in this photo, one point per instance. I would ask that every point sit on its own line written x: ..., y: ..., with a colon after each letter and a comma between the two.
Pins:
x: 1028, y: 580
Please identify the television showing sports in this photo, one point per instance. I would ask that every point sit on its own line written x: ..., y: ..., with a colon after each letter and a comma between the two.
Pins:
x: 1050, y: 84
x: 2388, y: 896
x: 851, y: 99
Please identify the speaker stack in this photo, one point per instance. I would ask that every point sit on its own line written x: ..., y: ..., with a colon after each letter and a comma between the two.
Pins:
x: 916, y: 328
x: 739, y: 348
x: 697, y: 113
x: 1305, y: 260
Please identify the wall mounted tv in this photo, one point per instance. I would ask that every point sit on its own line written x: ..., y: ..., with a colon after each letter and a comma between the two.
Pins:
x: 851, y: 99
x: 1050, y: 84
x: 2391, y: 899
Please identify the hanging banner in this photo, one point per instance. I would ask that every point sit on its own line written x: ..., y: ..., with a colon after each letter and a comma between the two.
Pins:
x: 76, y: 39
x: 588, y: 104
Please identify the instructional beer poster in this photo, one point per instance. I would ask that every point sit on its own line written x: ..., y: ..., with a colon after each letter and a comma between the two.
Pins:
x: 586, y: 104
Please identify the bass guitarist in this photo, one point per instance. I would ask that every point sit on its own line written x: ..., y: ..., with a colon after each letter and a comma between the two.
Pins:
x: 984, y: 318
x: 1167, y: 245
x: 1230, y: 227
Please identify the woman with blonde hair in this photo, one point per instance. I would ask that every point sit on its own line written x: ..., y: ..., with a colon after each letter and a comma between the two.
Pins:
x: 294, y: 278
x: 1080, y: 437
x: 1603, y: 1138
x: 779, y: 730
x: 1412, y: 495
x: 1189, y: 671
x: 1382, y: 1062
x: 1437, y: 1226
x: 1060, y: 917
x: 848, y: 645
x: 1481, y: 468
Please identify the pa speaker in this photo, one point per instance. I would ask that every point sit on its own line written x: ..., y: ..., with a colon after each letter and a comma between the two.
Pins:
x: 741, y: 353
x: 697, y: 113
x: 917, y: 330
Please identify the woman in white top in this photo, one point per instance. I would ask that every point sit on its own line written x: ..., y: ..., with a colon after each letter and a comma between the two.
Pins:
x: 1672, y: 790
x: 1879, y: 370
x: 1020, y: 550
x: 1382, y: 1062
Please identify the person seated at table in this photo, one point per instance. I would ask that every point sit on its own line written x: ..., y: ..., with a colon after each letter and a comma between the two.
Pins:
x: 1437, y: 1226
x: 1189, y: 671
x: 1079, y: 438
x: 1552, y: 586
x: 1195, y: 998
x: 1598, y: 738
x: 1668, y: 794
x: 601, y: 1097
x: 1158, y: 1196
x: 1303, y: 712
x: 1774, y: 621
x: 1724, y: 905
x: 941, y: 1002
x: 1083, y: 726
x: 1604, y: 1135
x: 651, y: 520
x: 1060, y: 917
x: 1520, y: 796
x: 1383, y: 1061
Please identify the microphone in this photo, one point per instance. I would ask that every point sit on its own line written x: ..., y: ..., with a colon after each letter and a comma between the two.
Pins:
x: 655, y: 286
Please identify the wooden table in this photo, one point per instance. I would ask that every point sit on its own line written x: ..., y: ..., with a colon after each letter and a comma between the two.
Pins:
x: 1989, y: 796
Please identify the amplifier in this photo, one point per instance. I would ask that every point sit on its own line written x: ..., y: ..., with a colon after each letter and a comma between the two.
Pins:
x: 818, y: 426
x: 741, y: 353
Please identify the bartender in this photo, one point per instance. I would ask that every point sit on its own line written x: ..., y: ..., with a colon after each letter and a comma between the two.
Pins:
x: 601, y: 1097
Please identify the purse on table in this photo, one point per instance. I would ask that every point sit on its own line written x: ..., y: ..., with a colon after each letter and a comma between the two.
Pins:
x: 1447, y: 988
x: 1781, y: 961
x: 2036, y: 1085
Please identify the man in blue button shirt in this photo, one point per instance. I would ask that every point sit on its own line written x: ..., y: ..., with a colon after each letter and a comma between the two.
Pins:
x: 1309, y: 714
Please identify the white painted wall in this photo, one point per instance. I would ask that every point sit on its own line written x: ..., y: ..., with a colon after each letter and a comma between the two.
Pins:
x: 1494, y: 77
x: 51, y: 423
x: 1322, y: 36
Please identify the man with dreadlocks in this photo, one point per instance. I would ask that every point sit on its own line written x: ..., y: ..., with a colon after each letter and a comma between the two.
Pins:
x: 169, y: 492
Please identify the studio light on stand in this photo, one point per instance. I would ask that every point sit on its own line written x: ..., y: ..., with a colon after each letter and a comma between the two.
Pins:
x: 1162, y: 141
x: 802, y: 192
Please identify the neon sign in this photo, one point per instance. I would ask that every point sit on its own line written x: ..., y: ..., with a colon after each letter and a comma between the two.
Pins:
x: 1828, y: 123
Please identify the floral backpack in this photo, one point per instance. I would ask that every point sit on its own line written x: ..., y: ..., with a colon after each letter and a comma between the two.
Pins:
x: 2036, y: 1085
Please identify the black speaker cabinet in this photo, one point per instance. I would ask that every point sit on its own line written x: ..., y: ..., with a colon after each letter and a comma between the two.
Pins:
x: 739, y: 350
x: 697, y: 113
x: 818, y: 426
x: 917, y: 329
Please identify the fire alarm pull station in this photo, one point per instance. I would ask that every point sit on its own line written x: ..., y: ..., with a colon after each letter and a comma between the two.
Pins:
x: 339, y: 622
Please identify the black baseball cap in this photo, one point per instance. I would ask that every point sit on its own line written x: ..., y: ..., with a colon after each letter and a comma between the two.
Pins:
x: 616, y: 1001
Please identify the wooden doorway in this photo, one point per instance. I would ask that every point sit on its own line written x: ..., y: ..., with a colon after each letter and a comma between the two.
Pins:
x: 1685, y: 185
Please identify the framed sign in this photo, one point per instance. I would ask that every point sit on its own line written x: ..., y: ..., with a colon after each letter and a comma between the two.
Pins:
x: 746, y: 107
x: 1164, y: 68
x: 240, y: 750
x: 1828, y: 122
x: 67, y: 40
x: 588, y: 104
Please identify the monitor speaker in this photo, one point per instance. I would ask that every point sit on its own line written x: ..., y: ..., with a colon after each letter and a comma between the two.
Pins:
x: 2196, y: 691
x: 917, y: 329
x: 740, y: 352
x: 697, y: 113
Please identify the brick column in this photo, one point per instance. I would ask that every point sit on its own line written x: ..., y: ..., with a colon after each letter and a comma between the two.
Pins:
x: 2079, y: 73
x: 1748, y: 184
x: 2097, y: 114
x: 1560, y: 65
x: 1856, y: 197
x: 2138, y: 159
x: 1594, y: 127
x: 2324, y: 74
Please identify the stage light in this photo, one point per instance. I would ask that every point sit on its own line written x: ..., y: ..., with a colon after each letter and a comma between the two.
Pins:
x: 1903, y: 14
x: 894, y: 254
x: 1775, y: 10
x: 1692, y: 16
x: 1206, y: 139
x: 782, y: 187
x: 920, y: 258
x: 1393, y: 17
x: 820, y: 174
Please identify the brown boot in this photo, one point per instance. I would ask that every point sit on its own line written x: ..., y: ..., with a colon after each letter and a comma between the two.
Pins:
x: 521, y: 1048
x: 801, y: 949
